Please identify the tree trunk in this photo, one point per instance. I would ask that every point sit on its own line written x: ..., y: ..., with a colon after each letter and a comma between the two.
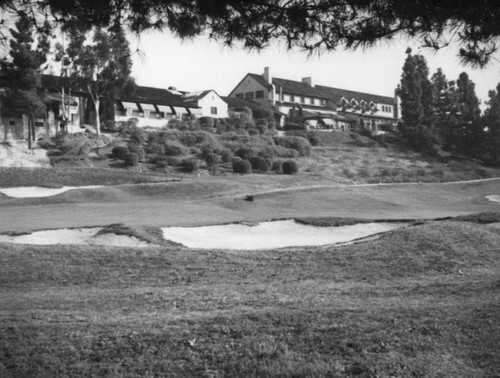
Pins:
x: 30, y: 131
x: 97, y: 119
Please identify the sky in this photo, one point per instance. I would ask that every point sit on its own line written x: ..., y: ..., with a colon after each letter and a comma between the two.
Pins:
x: 201, y: 63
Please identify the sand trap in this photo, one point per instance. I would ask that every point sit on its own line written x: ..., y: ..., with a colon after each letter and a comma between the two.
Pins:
x: 267, y: 235
x: 494, y: 198
x: 80, y: 236
x: 40, y: 191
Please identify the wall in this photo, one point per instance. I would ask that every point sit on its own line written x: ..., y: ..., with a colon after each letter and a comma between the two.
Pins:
x: 213, y: 100
x: 251, y: 85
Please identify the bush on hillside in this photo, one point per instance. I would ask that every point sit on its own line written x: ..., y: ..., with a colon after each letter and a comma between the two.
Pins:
x: 131, y: 160
x: 226, y: 155
x: 206, y: 122
x: 276, y: 166
x: 290, y: 167
x: 242, y: 166
x: 212, y: 160
x: 155, y: 148
x: 78, y: 144
x: 246, y: 152
x: 120, y: 152
x: 138, y: 136
x: 299, y: 144
x: 175, y: 149
x: 137, y: 149
x: 190, y: 165
x: 294, y: 126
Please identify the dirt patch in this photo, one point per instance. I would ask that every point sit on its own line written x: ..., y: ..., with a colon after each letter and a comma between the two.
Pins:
x: 16, y: 154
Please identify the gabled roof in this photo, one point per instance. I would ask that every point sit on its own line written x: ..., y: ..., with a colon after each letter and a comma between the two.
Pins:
x: 257, y: 78
x: 195, y: 96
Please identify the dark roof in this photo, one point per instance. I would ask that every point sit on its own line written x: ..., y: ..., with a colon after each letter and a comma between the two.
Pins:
x: 297, y: 88
x: 239, y: 104
x: 157, y: 96
x: 336, y: 94
x: 300, y: 88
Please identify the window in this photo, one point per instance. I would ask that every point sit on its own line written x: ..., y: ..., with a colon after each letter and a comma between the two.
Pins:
x: 239, y: 95
x: 259, y: 94
x: 249, y: 95
x: 12, y: 123
x: 39, y: 123
x: 302, y: 100
x: 292, y: 98
x: 286, y: 98
x: 213, y: 110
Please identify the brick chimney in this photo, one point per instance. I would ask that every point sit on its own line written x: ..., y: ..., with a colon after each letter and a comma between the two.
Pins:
x: 267, y: 75
x: 308, y: 80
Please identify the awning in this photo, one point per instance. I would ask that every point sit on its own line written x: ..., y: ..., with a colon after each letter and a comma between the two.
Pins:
x: 165, y: 109
x: 129, y: 105
x: 328, y: 121
x: 178, y: 110
x: 148, y: 107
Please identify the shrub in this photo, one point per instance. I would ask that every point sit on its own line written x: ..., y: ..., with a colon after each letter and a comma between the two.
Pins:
x: 299, y: 144
x: 253, y: 131
x: 294, y: 126
x: 131, y: 160
x: 78, y: 144
x: 226, y: 155
x: 138, y: 136
x: 206, y: 122
x: 170, y: 160
x: 190, y: 165
x: 290, y: 167
x: 212, y: 160
x: 120, y: 152
x: 175, y: 148
x: 347, y: 173
x: 235, y: 159
x: 246, y: 152
x: 155, y: 148
x: 363, y: 172
x: 137, y: 149
x: 265, y: 165
x: 313, y: 139
x: 242, y: 166
x: 276, y: 166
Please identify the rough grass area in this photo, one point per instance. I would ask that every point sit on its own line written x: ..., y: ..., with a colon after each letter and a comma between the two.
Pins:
x: 418, y: 302
x: 57, y: 177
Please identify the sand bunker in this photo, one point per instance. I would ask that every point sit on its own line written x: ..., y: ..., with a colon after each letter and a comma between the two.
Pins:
x: 267, y: 235
x: 494, y: 198
x: 80, y: 236
x: 40, y: 191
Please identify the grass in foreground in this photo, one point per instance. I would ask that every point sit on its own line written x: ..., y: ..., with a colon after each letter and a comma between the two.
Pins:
x: 422, y: 301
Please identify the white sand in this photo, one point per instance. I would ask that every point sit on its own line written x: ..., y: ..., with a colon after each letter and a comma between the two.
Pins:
x: 39, y: 191
x: 494, y: 198
x: 269, y: 235
x: 80, y: 236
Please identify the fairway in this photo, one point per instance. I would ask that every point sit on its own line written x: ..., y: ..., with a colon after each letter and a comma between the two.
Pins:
x: 210, y: 201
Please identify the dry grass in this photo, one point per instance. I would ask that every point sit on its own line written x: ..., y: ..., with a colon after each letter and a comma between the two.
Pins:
x: 422, y: 301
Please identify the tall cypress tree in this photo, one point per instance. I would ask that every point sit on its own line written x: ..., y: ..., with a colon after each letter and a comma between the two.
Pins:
x: 445, y: 109
x: 469, y: 118
x: 417, y: 111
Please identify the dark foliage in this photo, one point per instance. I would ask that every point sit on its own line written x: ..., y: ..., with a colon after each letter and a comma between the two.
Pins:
x: 290, y: 167
x: 242, y: 166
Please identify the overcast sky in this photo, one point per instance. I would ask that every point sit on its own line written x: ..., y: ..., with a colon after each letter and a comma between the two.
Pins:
x: 203, y: 64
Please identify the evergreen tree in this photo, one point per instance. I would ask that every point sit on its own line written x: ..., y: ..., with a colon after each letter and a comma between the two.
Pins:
x: 99, y: 63
x: 491, y: 123
x: 445, y: 108
x: 22, y: 72
x: 417, y: 111
x: 469, y: 117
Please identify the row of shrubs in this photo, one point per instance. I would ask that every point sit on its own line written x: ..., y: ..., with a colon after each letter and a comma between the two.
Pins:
x: 263, y: 165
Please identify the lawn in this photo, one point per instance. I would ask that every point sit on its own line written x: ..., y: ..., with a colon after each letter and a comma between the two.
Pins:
x: 418, y: 302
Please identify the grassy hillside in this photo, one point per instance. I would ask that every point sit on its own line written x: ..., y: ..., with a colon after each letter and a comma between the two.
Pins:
x: 422, y: 301
x: 340, y: 157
